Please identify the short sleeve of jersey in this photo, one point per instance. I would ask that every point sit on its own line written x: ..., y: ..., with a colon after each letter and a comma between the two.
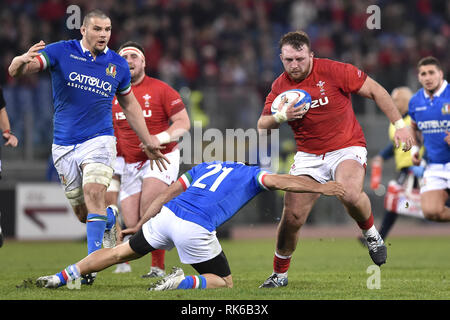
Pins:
x: 411, y: 110
x: 349, y: 78
x: 2, y: 99
x: 186, y: 178
x: 260, y: 175
x: 124, y: 87
x: 172, y: 101
x: 268, y: 103
x: 49, y: 55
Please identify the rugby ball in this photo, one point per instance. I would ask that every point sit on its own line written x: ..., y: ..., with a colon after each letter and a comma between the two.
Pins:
x: 292, y: 95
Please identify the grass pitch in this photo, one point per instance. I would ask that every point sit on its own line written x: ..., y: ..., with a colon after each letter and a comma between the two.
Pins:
x: 321, y: 269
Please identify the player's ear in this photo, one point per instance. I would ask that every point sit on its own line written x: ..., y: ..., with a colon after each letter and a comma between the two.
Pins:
x: 83, y: 30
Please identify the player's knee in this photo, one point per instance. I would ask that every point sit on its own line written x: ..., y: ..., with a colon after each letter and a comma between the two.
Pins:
x: 351, y: 197
x: 97, y: 173
x: 434, y: 212
x: 293, y: 217
x: 120, y: 254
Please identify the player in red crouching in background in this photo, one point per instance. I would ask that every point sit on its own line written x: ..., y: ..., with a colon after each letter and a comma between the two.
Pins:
x: 330, y: 142
x: 141, y: 184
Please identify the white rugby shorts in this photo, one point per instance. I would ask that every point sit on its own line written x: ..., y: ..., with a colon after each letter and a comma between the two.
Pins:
x: 436, y: 177
x: 323, y: 167
x: 69, y: 159
x: 194, y: 243
x: 134, y: 174
x: 119, y: 166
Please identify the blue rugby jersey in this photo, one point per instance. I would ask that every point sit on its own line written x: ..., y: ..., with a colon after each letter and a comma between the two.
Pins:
x: 432, y: 118
x: 83, y: 89
x: 215, y: 191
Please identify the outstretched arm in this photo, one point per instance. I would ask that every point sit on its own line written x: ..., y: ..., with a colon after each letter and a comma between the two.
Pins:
x: 174, y: 190
x: 26, y: 63
x: 300, y: 184
x: 373, y: 90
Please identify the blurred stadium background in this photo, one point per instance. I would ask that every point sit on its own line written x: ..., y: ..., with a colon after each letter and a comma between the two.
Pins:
x: 222, y: 57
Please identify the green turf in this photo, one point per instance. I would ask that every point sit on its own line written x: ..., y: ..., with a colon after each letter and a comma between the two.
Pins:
x: 417, y: 268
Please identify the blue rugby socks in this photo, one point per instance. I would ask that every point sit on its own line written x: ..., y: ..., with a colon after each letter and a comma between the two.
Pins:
x: 69, y: 274
x: 193, y: 282
x: 111, y: 218
x: 95, y: 228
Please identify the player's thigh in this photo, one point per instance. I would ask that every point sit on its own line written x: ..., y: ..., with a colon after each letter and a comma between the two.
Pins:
x: 151, y: 188
x: 194, y: 243
x: 433, y: 202
x: 130, y: 209
x: 351, y: 174
x: 70, y: 176
x: 158, y: 231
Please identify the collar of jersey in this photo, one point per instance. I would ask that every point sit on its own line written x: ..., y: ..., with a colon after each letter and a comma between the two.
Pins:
x: 438, y: 93
x: 84, y: 49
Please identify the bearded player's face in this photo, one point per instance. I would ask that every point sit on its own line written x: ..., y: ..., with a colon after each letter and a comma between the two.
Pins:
x: 136, y: 65
x: 296, y: 62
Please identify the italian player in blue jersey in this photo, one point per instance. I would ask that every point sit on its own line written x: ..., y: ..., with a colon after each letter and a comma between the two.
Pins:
x: 186, y: 216
x: 86, y: 75
x: 430, y: 112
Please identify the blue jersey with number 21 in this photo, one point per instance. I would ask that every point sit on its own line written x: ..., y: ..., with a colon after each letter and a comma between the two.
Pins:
x: 215, y: 191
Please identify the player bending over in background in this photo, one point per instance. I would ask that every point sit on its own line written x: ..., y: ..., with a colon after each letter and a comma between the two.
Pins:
x: 186, y: 216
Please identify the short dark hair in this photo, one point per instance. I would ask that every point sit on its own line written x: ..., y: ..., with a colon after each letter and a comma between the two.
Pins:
x: 132, y: 44
x: 94, y: 13
x: 296, y: 39
x: 425, y: 61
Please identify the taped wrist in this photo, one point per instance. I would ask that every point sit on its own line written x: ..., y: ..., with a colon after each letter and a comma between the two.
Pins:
x: 163, y: 137
x: 399, y: 124
x: 280, y: 116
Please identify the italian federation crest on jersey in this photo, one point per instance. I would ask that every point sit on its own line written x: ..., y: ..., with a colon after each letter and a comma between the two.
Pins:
x: 111, y: 70
x: 446, y: 108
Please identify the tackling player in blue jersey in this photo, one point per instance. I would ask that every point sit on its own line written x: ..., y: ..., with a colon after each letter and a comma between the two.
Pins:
x: 85, y: 77
x: 430, y: 112
x: 186, y: 216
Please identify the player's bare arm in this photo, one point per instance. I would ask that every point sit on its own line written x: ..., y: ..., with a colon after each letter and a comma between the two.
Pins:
x: 150, y: 143
x: 301, y: 184
x: 373, y: 90
x: 5, y: 128
x: 173, y: 191
x: 180, y: 124
x: 26, y: 63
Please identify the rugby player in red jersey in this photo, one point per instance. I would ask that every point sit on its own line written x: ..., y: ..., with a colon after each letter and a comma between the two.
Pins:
x: 166, y: 117
x: 330, y: 142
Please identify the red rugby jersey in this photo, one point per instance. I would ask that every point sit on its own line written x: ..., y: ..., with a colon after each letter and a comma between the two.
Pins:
x: 330, y: 124
x: 159, y: 102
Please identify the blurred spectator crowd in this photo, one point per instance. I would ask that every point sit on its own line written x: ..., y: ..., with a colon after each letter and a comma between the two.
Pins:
x: 223, y: 43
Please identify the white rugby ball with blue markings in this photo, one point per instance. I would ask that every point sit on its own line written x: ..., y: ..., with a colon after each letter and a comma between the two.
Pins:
x: 292, y: 95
